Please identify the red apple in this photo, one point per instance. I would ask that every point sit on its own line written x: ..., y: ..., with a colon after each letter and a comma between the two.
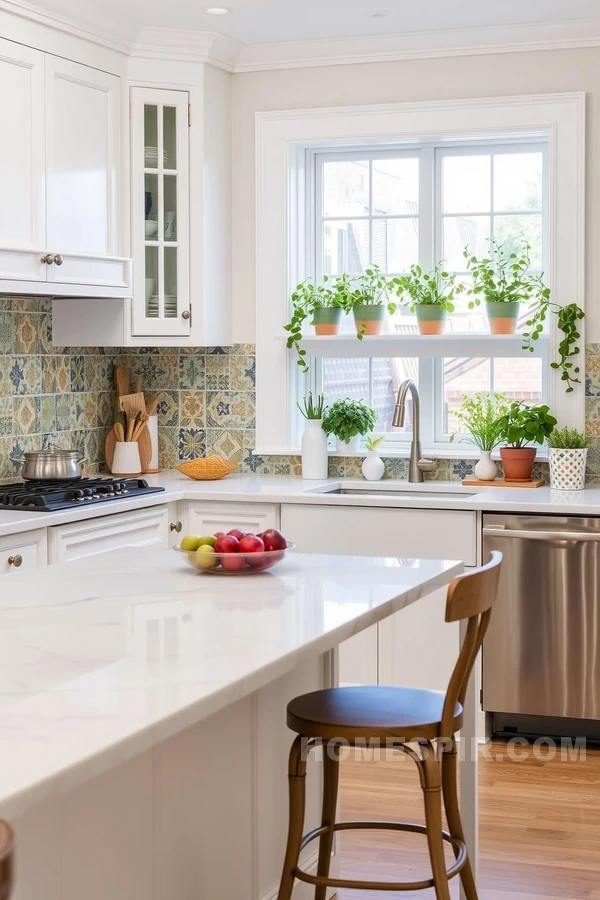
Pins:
x: 250, y: 543
x: 259, y: 560
x: 219, y: 534
x: 227, y: 544
x: 235, y: 532
x: 273, y: 539
x: 233, y: 563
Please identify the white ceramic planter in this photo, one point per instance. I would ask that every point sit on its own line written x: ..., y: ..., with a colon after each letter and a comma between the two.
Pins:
x: 373, y: 466
x: 351, y: 446
x: 485, y: 469
x: 567, y: 469
x: 314, y: 450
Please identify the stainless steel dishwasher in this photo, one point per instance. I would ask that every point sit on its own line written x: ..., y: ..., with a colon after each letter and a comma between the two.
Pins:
x: 541, y: 655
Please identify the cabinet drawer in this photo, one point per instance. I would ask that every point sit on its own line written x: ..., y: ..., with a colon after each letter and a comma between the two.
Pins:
x: 206, y: 518
x: 23, y: 552
x: 134, y: 529
x: 97, y: 272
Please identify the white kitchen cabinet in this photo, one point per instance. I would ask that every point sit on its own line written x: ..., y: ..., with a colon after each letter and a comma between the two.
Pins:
x: 207, y: 517
x: 139, y: 528
x: 23, y: 552
x: 59, y: 177
x: 415, y: 647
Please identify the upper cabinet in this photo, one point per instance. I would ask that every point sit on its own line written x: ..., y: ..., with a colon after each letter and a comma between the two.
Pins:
x: 59, y: 178
x: 160, y: 181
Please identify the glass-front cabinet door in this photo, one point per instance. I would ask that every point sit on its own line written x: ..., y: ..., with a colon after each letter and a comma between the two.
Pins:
x: 160, y: 216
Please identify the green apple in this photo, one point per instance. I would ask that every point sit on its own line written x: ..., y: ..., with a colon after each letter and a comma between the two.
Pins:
x: 206, y: 557
x: 190, y: 543
x: 207, y: 540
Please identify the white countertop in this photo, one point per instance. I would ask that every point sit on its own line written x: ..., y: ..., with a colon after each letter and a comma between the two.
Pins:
x: 102, y: 658
x: 288, y: 489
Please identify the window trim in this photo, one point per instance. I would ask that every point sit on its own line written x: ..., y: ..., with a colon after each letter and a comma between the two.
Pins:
x: 282, y: 139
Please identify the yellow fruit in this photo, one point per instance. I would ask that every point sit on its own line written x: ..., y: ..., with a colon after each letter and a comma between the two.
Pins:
x: 207, y: 540
x: 190, y: 542
x: 206, y: 557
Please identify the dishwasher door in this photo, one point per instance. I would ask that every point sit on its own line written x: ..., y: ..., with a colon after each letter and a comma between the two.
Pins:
x: 541, y: 654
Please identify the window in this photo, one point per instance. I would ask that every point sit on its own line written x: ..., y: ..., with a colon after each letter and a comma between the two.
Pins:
x: 487, y: 137
x: 396, y: 207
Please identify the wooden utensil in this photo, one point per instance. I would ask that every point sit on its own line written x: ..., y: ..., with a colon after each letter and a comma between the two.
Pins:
x: 151, y: 406
x: 145, y: 447
x: 140, y: 423
x: 110, y: 445
x: 138, y: 384
x: 122, y: 378
x: 119, y: 432
x: 132, y: 404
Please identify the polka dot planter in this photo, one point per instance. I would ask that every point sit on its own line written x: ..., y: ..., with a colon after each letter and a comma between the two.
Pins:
x: 567, y: 469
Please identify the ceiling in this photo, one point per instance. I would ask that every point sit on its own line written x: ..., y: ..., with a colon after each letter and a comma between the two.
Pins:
x: 267, y: 21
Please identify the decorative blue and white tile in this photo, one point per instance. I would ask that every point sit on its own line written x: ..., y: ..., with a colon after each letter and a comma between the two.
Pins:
x: 77, y: 374
x: 48, y: 412
x: 192, y: 412
x: 228, y: 444
x: 26, y: 375
x: 242, y: 373
x: 192, y: 372
x: 6, y: 416
x: 7, y: 333
x: 217, y: 373
x: 168, y: 454
x: 192, y: 443
x: 26, y: 333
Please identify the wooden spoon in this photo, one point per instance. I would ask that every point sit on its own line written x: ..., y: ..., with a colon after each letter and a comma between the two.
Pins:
x: 109, y: 447
x: 122, y: 377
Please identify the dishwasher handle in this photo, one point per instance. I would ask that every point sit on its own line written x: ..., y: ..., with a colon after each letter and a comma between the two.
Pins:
x: 578, y: 536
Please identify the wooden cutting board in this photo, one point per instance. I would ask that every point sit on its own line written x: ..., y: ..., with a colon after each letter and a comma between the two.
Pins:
x: 109, y: 448
x: 145, y: 448
x: 500, y: 482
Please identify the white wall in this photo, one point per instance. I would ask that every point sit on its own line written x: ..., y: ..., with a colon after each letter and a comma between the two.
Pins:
x: 428, y: 79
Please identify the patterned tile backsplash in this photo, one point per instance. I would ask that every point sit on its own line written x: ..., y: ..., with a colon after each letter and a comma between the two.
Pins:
x: 207, y: 400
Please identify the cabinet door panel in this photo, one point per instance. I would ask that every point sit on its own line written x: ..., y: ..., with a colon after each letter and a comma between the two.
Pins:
x: 22, y: 210
x: 133, y: 529
x: 23, y: 552
x: 206, y: 518
x: 82, y: 158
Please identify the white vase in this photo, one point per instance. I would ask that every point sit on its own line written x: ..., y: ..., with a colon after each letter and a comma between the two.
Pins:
x: 346, y: 447
x: 485, y: 469
x: 373, y: 466
x: 567, y: 469
x: 127, y: 458
x: 314, y: 450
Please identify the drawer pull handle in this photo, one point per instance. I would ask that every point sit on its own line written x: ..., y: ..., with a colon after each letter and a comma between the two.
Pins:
x: 15, y: 560
x: 48, y: 259
x: 176, y: 526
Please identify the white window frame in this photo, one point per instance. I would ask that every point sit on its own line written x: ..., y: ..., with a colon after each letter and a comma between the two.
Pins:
x: 282, y: 141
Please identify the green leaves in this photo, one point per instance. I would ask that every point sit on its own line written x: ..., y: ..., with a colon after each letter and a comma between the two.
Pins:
x: 435, y: 288
x: 482, y: 415
x: 568, y: 439
x: 311, y: 408
x: 523, y: 425
x: 347, y: 418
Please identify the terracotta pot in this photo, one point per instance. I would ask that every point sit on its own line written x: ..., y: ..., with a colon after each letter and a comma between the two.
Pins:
x: 326, y: 320
x: 503, y: 318
x: 517, y: 462
x: 431, y: 318
x: 369, y: 318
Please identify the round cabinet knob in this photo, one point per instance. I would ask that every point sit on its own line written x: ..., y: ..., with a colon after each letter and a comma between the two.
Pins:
x: 48, y: 259
x: 15, y: 560
x: 58, y: 259
x: 176, y: 526
x: 186, y: 314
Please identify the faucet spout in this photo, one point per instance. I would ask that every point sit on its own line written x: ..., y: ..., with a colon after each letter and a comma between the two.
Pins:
x: 417, y: 464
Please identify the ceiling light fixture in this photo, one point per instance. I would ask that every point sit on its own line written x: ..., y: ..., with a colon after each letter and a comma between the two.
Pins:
x: 216, y: 11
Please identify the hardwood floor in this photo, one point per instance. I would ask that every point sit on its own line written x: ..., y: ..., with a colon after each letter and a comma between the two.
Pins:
x: 539, y: 828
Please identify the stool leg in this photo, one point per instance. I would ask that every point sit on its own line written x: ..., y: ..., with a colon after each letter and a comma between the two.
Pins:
x: 297, y: 789
x: 432, y: 795
x: 450, y: 789
x: 331, y: 772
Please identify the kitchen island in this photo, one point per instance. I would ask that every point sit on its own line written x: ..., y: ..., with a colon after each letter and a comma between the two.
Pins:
x: 143, y: 745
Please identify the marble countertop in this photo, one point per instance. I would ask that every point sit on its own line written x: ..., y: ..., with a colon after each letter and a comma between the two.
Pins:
x: 103, y: 658
x: 288, y: 489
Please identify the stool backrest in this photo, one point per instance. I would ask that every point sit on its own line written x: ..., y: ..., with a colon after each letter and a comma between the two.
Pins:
x: 6, y: 860
x: 471, y: 597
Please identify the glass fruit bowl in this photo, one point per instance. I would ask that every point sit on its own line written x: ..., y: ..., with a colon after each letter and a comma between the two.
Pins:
x: 233, y: 563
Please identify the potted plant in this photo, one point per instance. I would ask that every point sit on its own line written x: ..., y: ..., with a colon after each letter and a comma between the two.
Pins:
x: 323, y: 304
x: 366, y: 296
x: 373, y: 466
x: 568, y: 456
x: 347, y: 420
x: 482, y: 416
x: 520, y: 426
x: 429, y: 295
x: 504, y: 281
x: 314, y: 438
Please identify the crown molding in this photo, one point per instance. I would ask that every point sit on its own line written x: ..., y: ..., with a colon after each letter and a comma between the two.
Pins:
x: 189, y: 46
x: 419, y: 45
x: 116, y: 33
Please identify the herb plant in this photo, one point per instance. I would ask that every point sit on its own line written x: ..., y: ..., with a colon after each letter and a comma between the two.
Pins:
x: 347, y: 418
x: 437, y: 288
x: 371, y: 288
x: 482, y: 416
x: 505, y: 278
x: 523, y: 425
x: 312, y: 408
x: 374, y: 441
x: 306, y: 298
x: 568, y: 439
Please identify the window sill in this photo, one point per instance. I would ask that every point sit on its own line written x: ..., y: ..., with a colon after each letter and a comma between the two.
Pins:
x: 469, y: 344
x: 445, y: 451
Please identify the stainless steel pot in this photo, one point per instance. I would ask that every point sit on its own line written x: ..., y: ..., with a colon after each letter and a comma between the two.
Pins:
x: 52, y: 464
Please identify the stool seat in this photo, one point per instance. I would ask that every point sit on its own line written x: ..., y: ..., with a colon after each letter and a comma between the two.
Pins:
x: 370, y: 711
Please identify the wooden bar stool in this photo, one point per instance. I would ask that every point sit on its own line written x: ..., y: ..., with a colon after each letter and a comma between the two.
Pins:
x: 6, y: 860
x: 396, y: 717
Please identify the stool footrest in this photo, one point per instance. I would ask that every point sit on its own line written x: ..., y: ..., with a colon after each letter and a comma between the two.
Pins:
x: 321, y: 881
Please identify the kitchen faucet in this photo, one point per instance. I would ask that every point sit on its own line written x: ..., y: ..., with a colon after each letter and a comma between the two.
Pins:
x: 417, y: 465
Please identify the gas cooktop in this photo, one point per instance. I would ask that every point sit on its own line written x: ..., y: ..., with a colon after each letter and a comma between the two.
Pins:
x: 49, y: 496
